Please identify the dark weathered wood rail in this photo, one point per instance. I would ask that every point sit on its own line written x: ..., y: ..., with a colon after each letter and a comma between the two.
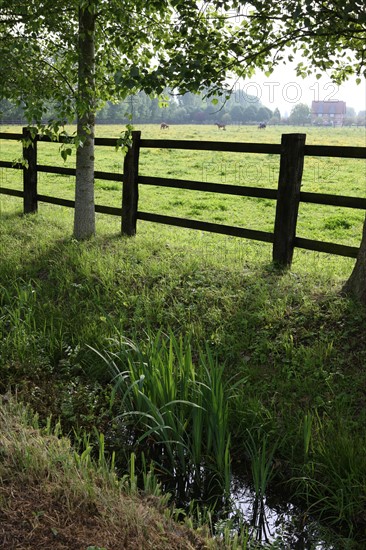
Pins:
x: 224, y: 189
x: 207, y: 226
x: 288, y: 195
x: 223, y: 146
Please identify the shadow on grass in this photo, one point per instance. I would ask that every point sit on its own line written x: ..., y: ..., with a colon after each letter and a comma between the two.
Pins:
x: 298, y: 344
x: 272, y: 325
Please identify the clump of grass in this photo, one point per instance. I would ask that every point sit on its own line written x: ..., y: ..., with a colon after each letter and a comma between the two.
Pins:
x: 337, y: 222
x: 261, y: 456
x: 176, y: 409
x: 334, y: 489
x: 52, y: 497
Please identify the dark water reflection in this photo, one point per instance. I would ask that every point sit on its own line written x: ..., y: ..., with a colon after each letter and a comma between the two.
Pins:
x: 281, y: 526
x: 270, y: 521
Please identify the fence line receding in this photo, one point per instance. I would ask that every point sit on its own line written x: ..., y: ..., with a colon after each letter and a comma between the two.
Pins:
x: 288, y: 195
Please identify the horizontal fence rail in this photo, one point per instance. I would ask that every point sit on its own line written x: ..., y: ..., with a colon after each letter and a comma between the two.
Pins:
x: 291, y: 151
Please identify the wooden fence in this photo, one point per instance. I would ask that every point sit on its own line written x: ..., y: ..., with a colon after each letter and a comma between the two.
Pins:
x: 288, y: 195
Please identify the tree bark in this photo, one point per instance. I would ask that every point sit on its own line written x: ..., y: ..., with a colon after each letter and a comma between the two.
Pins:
x: 356, y: 284
x: 84, y: 216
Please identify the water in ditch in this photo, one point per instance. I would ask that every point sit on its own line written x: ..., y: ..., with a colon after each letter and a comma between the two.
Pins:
x: 270, y: 523
x: 276, y: 524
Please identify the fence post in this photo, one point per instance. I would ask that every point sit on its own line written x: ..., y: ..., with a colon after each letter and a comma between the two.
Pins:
x: 288, y: 197
x: 30, y: 203
x: 130, y: 192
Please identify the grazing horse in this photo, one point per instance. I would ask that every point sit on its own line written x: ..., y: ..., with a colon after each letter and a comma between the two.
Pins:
x: 220, y: 126
x: 164, y: 126
x: 262, y: 126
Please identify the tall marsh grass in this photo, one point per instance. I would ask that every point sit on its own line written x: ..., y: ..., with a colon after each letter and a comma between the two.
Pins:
x: 176, y: 409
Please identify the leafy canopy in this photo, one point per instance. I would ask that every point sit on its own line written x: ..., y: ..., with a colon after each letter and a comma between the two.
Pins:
x: 134, y: 43
x: 184, y: 44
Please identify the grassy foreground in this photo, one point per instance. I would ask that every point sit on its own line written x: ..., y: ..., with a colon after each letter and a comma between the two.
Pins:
x: 51, y: 497
x: 294, y: 343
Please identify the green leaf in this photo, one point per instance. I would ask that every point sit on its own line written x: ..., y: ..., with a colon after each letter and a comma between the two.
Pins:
x: 134, y: 72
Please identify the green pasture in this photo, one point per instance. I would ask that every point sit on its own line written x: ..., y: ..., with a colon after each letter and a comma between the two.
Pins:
x: 289, y: 346
x: 323, y: 175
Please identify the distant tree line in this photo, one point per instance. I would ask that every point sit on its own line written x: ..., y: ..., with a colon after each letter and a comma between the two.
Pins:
x: 189, y: 108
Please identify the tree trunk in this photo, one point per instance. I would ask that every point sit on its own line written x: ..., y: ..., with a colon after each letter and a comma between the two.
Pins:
x: 356, y: 284
x: 84, y: 218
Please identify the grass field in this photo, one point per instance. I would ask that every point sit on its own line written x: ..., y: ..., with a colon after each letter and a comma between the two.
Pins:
x: 293, y: 341
x: 325, y: 175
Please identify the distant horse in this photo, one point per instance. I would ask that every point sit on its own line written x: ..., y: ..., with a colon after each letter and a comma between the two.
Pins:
x: 164, y: 126
x: 220, y: 126
x: 262, y: 126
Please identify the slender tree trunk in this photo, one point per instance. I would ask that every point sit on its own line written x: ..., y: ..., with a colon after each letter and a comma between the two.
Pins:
x: 356, y: 284
x: 84, y: 219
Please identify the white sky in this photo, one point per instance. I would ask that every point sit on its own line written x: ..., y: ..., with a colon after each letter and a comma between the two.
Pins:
x: 283, y: 89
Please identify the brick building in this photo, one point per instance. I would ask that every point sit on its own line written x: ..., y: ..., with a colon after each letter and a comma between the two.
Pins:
x: 328, y: 113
